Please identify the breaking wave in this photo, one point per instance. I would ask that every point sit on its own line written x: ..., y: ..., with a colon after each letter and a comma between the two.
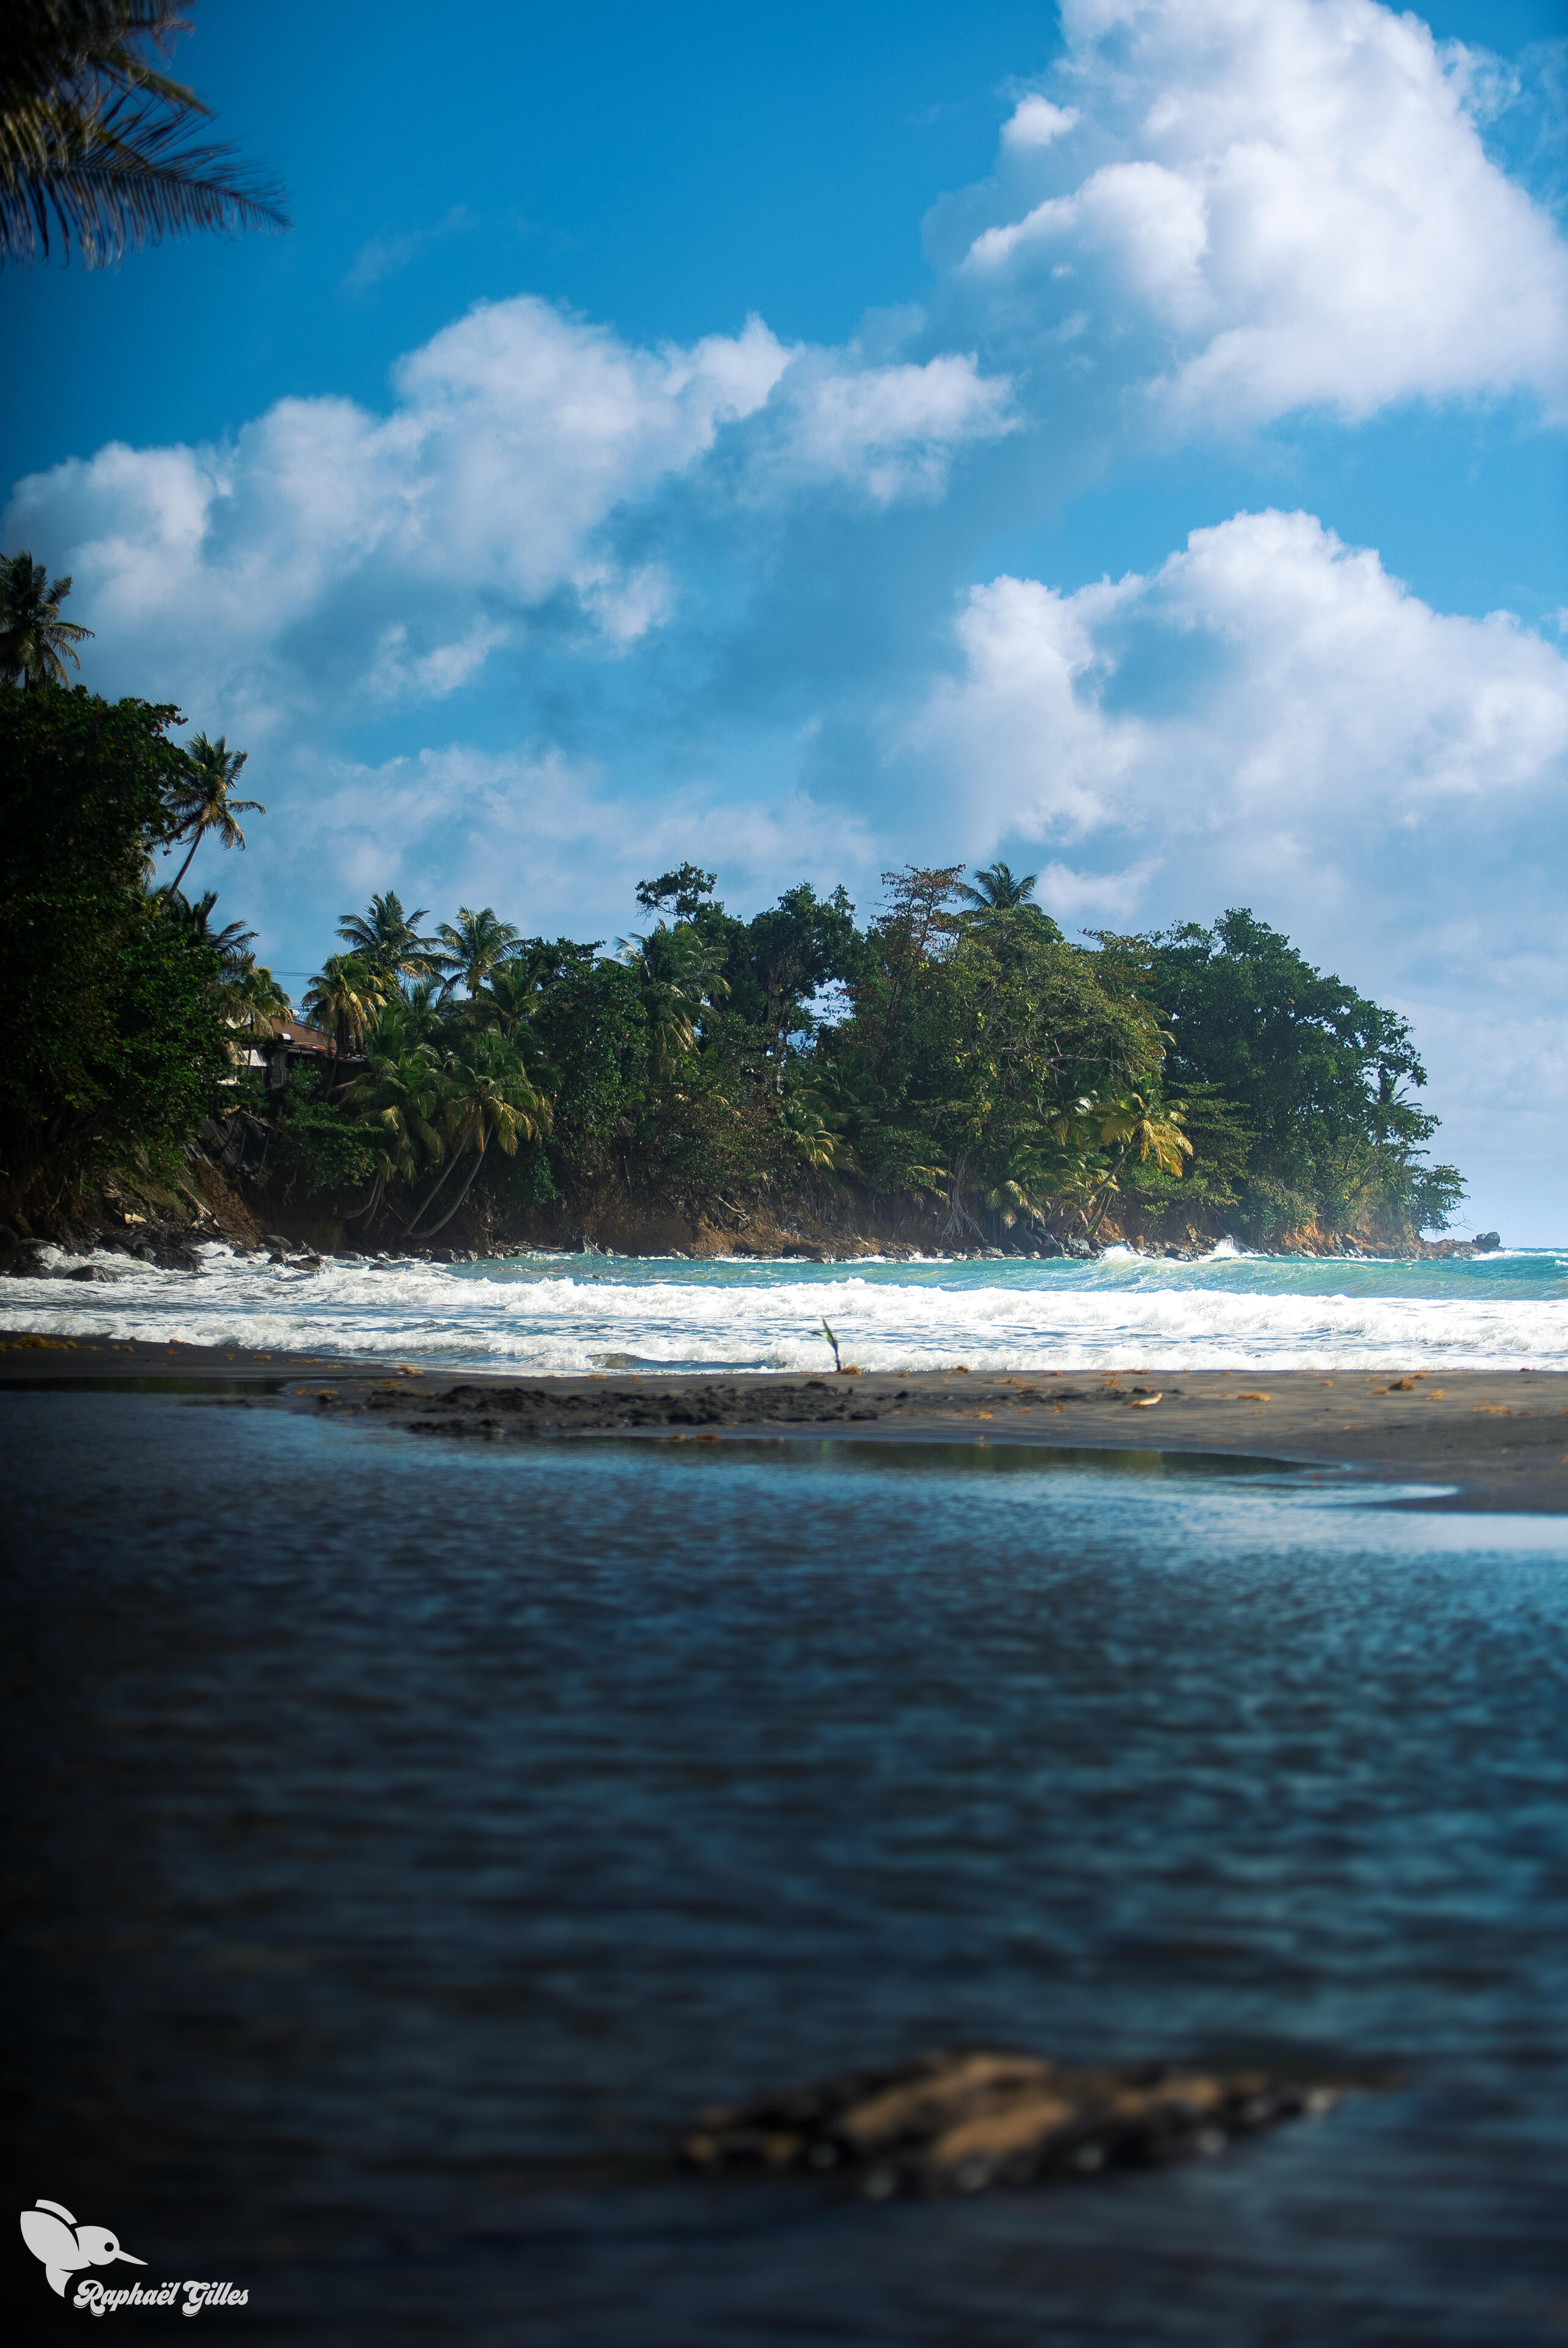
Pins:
x: 1229, y: 1311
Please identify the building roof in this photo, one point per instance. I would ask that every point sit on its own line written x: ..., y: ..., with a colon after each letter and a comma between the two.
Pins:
x: 295, y: 1038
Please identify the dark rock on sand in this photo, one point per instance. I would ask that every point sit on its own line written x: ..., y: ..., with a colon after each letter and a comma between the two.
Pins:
x: 957, y: 2121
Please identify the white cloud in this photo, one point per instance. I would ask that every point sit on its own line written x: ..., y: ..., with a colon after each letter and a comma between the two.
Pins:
x: 1269, y: 718
x: 1034, y: 122
x: 531, y: 832
x: 330, y: 557
x: 1268, y: 695
x: 1276, y: 204
x: 891, y: 430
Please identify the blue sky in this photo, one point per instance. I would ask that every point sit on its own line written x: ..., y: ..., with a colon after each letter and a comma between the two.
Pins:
x: 1128, y: 439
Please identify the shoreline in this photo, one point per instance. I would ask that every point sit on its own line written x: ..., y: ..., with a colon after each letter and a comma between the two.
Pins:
x: 1500, y: 1436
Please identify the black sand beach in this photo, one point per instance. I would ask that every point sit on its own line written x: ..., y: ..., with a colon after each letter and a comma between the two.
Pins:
x: 1497, y: 1437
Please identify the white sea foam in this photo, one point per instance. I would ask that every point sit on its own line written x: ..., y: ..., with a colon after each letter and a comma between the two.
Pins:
x: 1230, y: 1312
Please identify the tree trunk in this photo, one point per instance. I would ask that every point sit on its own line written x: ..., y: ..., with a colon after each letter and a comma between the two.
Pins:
x: 429, y: 1200
x: 479, y: 1161
x: 186, y: 866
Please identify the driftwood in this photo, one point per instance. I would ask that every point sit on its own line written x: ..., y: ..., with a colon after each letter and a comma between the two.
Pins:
x: 956, y: 2121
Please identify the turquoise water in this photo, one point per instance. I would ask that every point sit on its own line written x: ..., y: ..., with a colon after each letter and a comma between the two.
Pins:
x: 579, y: 1313
x: 411, y: 1838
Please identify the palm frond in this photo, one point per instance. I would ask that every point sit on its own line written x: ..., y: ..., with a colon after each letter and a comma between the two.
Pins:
x: 94, y: 139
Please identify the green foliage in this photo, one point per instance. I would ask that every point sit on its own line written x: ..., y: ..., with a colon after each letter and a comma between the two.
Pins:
x: 115, y: 1036
x: 322, y: 1146
x: 93, y: 135
x: 1316, y: 1073
x: 36, y: 642
x: 959, y: 1048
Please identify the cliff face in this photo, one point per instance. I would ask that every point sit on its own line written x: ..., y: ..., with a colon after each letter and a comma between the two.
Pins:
x: 225, y: 1193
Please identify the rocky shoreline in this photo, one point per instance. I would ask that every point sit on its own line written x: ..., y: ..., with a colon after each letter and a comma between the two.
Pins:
x: 223, y: 1195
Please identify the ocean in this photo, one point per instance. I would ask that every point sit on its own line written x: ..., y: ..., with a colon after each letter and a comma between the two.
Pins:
x: 564, y: 1314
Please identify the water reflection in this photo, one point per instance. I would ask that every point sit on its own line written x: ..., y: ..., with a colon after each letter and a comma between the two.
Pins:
x: 413, y: 1836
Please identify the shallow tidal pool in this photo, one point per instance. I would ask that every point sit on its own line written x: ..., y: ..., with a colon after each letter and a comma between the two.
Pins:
x: 410, y: 1836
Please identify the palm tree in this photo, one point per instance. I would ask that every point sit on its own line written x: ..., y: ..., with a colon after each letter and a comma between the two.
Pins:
x: 91, y: 133
x: 474, y: 945
x: 998, y: 889
x: 344, y: 1000
x: 488, y: 1099
x: 205, y: 803
x: 230, y: 943
x: 388, y: 938
x: 253, y: 999
x: 35, y: 641
x: 1136, y: 1123
x: 680, y: 975
x: 399, y: 1096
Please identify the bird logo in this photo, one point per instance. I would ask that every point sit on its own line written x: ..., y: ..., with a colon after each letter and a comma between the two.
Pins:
x: 53, y: 2235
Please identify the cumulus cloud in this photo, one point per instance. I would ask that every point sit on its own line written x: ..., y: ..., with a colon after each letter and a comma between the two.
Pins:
x: 1268, y: 692
x: 532, y: 830
x: 893, y: 429
x: 330, y: 553
x: 1270, y: 718
x: 1255, y: 206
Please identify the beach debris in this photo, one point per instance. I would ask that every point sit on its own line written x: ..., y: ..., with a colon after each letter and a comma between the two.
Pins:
x: 960, y: 2119
x: 1146, y: 1402
x: 837, y: 1362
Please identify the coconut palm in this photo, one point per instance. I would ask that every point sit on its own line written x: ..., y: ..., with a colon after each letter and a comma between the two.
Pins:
x: 35, y: 641
x: 388, y: 939
x: 489, y: 1098
x: 474, y: 945
x: 230, y: 944
x: 998, y: 889
x: 344, y: 1000
x: 399, y: 1097
x: 1135, y: 1125
x: 1153, y: 1128
x: 506, y: 1000
x: 205, y: 802
x: 680, y: 976
x: 253, y: 999
x: 91, y: 136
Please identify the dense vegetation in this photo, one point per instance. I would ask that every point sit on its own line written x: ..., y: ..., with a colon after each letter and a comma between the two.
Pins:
x: 955, y: 1052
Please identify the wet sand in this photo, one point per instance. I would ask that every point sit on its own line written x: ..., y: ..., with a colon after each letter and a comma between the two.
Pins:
x: 1500, y: 1436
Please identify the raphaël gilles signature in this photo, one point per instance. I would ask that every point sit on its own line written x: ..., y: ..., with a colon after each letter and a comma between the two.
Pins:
x: 53, y: 2235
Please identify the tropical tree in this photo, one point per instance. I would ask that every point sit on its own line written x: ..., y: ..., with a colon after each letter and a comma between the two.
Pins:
x: 399, y: 1096
x: 93, y: 136
x: 206, y: 803
x: 1129, y: 1126
x: 680, y: 977
x: 474, y: 945
x: 253, y: 999
x: 344, y: 1000
x: 35, y: 641
x: 113, y: 1039
x: 487, y: 1097
x: 997, y: 888
x: 230, y: 943
x: 506, y: 1000
x: 687, y: 889
x: 1317, y: 1073
x: 388, y: 939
